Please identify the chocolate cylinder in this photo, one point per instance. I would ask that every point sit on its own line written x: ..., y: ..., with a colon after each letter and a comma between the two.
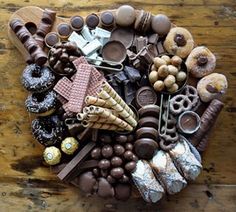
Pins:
x: 208, y: 119
x: 16, y: 25
x: 48, y: 16
x: 43, y: 29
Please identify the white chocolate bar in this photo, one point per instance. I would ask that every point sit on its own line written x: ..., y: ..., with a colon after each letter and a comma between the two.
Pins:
x: 78, y: 39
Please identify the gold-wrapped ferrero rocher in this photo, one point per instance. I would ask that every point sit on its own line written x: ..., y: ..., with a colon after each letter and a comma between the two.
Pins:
x: 52, y: 155
x: 69, y: 145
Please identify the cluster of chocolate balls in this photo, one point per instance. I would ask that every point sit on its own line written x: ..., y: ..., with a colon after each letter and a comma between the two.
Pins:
x: 166, y: 73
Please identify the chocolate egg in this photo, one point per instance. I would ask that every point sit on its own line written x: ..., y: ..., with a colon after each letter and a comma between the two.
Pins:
x: 130, y: 166
x: 117, y: 172
x: 107, y: 151
x: 119, y: 150
x: 96, y: 153
x: 104, y: 164
x: 128, y: 146
x: 128, y: 155
x: 116, y: 161
x: 121, y: 139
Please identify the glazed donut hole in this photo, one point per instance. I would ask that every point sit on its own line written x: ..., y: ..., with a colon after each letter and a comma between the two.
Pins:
x: 167, y: 73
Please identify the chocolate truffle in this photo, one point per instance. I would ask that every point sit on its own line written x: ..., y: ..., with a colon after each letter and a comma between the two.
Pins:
x: 161, y: 24
x: 69, y: 145
x: 52, y: 155
x: 125, y: 15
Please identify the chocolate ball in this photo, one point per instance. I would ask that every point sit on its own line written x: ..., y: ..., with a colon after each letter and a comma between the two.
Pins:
x: 96, y: 153
x: 124, y: 179
x: 129, y: 146
x: 116, y: 161
x: 121, y: 139
x: 104, y: 173
x: 105, y: 189
x: 135, y: 158
x: 117, y: 172
x: 107, y: 151
x: 130, y: 138
x: 122, y: 192
x: 119, y: 150
x: 130, y: 166
x: 105, y: 138
x: 96, y: 172
x: 128, y: 155
x: 111, y: 179
x: 104, y: 164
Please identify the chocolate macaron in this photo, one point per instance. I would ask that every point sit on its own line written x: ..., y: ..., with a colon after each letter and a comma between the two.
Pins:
x: 145, y: 148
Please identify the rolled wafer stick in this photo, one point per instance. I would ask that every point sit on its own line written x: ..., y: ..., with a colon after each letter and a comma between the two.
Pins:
x: 208, y: 119
x: 101, y: 126
x: 120, y: 110
x: 111, y: 118
x: 117, y: 98
x: 81, y: 116
x: 96, y: 118
x: 91, y: 100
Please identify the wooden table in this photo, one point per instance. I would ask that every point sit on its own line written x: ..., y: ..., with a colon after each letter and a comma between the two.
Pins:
x: 26, y: 185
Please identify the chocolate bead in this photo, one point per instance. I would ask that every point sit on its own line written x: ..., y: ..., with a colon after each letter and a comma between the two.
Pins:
x: 117, y: 172
x: 121, y: 138
x: 128, y: 155
x: 119, y: 150
x: 96, y: 172
x: 96, y: 153
x: 129, y: 146
x: 104, y: 164
x: 107, y: 151
x: 116, y: 161
x: 124, y: 179
x: 111, y: 179
x: 130, y: 166
x: 104, y: 173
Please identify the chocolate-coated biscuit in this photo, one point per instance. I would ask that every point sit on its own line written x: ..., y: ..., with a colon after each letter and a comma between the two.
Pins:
x: 147, y: 132
x: 148, y: 122
x: 149, y: 110
x: 145, y: 96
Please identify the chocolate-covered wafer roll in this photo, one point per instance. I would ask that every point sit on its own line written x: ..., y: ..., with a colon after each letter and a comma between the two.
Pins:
x: 167, y: 173
x: 22, y: 34
x: 147, y: 184
x: 15, y: 25
x: 185, y: 161
x: 48, y: 16
x: 208, y: 119
x: 43, y: 29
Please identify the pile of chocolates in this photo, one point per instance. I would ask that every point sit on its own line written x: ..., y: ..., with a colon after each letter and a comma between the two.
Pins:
x: 124, y: 98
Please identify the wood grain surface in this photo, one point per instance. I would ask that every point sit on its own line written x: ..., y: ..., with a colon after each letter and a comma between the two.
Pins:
x: 26, y: 185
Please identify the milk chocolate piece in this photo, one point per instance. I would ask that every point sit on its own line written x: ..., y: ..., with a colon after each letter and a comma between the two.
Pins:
x: 145, y: 96
x: 153, y: 38
x: 149, y: 110
x: 122, y: 191
x: 66, y: 173
x: 145, y: 148
x: 107, y: 19
x: 148, y: 122
x: 160, y: 48
x: 105, y: 189
x: 147, y: 132
x: 77, y: 23
x: 92, y: 21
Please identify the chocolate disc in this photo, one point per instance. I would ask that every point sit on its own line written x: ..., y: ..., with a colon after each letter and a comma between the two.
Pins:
x: 92, y: 21
x: 107, y: 19
x: 145, y: 148
x: 147, y: 132
x: 114, y: 51
x: 145, y: 96
x: 51, y: 39
x: 149, y: 110
x: 124, y: 35
x: 148, y: 122
x: 64, y: 30
x: 77, y: 23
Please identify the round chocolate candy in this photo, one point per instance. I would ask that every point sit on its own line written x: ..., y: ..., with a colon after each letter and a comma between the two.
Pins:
x: 135, y: 158
x: 51, y: 39
x: 116, y: 161
x: 119, y: 150
x: 111, y: 179
x: 117, y: 172
x: 104, y: 164
x: 121, y: 138
x: 129, y: 146
x: 96, y: 153
x: 52, y: 155
x: 69, y: 145
x: 77, y: 23
x: 122, y: 192
x: 64, y: 30
x: 128, y: 155
x: 161, y: 24
x: 96, y: 172
x: 107, y: 19
x: 145, y: 148
x: 105, y: 189
x: 92, y: 21
x: 107, y: 151
x: 125, y: 15
x: 130, y: 138
x: 145, y: 96
x: 124, y: 179
x: 148, y: 122
x: 130, y: 166
x: 147, y: 132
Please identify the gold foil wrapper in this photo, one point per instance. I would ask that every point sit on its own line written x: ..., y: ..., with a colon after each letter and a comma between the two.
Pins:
x: 69, y: 145
x: 52, y: 155
x: 185, y: 161
x: 148, y: 186
x: 167, y: 173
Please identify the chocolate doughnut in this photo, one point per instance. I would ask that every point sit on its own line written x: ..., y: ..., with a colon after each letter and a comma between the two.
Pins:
x: 37, y: 79
x: 42, y: 104
x: 48, y: 130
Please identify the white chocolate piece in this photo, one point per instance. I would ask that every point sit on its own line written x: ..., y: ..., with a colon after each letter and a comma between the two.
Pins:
x: 78, y: 39
x: 169, y: 81
x: 91, y: 47
x: 87, y: 34
x: 158, y: 85
x: 158, y: 62
x: 181, y: 76
x: 163, y: 71
x: 166, y: 58
x: 173, y: 70
x: 173, y: 88
x: 153, y: 77
x: 176, y: 61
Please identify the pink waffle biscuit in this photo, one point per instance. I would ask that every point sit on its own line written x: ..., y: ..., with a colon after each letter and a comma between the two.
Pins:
x: 63, y: 87
x: 67, y: 110
x: 80, y: 87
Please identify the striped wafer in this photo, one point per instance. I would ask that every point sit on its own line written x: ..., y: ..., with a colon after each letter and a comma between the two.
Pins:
x: 91, y: 100
x: 63, y: 87
x: 101, y: 126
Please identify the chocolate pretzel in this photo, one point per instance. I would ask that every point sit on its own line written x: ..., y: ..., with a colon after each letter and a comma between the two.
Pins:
x: 179, y: 104
x: 192, y: 94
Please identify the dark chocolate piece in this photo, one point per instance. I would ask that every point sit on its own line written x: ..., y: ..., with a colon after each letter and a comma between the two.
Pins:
x: 160, y: 48
x: 147, y: 132
x: 132, y: 73
x: 145, y: 96
x: 145, y: 148
x: 153, y: 38
x: 92, y: 21
x: 122, y: 192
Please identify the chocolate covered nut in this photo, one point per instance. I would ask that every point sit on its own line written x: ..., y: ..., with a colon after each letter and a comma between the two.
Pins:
x: 149, y: 110
x: 107, y: 151
x: 130, y: 166
x: 107, y: 19
x: 121, y: 138
x: 125, y: 15
x: 104, y: 164
x: 129, y: 146
x: 119, y: 150
x: 128, y: 155
x: 145, y: 96
x: 145, y: 148
x: 64, y: 30
x: 147, y: 132
x: 77, y: 23
x: 96, y: 153
x: 51, y: 39
x: 116, y: 161
x: 111, y: 179
x: 92, y: 21
x: 148, y: 122
x: 122, y: 191
x: 105, y: 189
x: 124, y: 179
x: 87, y: 183
x: 161, y: 24
x: 117, y: 172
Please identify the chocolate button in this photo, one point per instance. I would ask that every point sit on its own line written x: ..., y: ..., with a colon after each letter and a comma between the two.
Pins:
x: 161, y: 24
x: 122, y: 191
x: 51, y: 39
x: 149, y: 110
x: 145, y: 96
x: 147, y: 132
x: 145, y: 148
x: 148, y: 122
x: 107, y: 19
x: 92, y: 21
x: 77, y: 23
x: 64, y: 30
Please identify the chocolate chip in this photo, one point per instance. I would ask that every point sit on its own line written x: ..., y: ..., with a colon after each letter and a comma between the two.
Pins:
x: 180, y: 40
